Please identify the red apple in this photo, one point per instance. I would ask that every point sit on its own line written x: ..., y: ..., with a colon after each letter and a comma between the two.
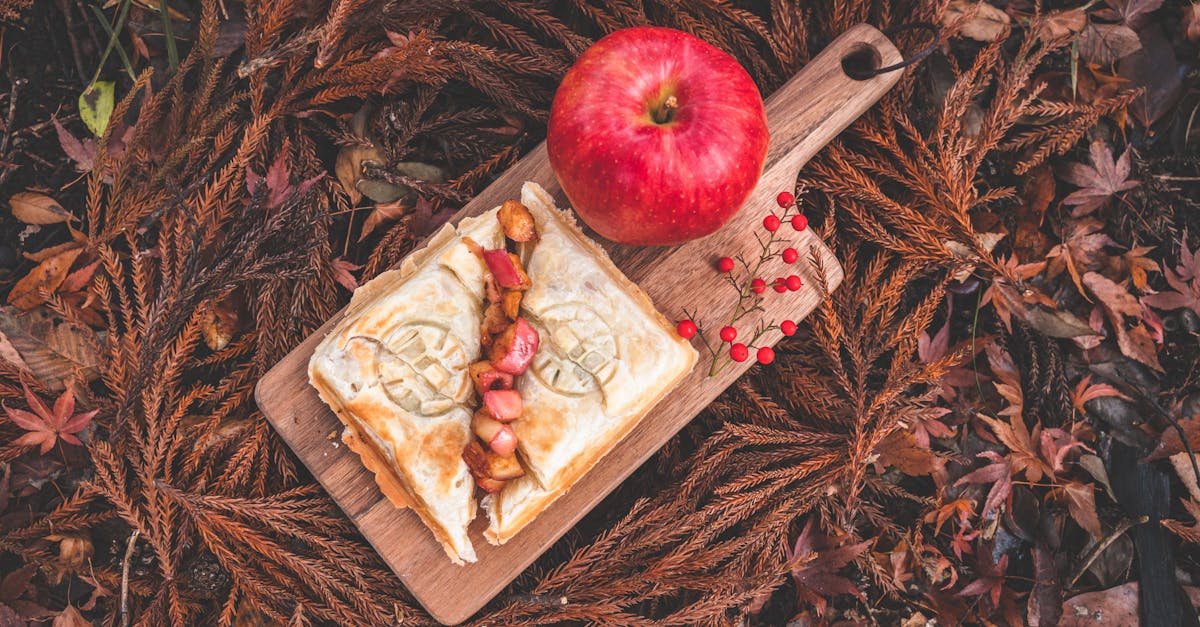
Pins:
x: 656, y: 136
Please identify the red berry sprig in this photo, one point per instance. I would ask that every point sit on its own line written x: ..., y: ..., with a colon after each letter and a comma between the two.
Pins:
x: 751, y: 289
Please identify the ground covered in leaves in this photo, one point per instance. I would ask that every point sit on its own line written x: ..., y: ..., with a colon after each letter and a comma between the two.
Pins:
x: 992, y: 421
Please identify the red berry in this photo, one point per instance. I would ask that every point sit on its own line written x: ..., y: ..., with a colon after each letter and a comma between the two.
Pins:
x: 785, y: 199
x: 794, y: 283
x: 758, y: 285
x: 799, y: 222
x: 728, y: 334
x: 686, y: 329
x: 780, y: 285
x: 790, y: 255
x: 739, y: 352
x: 725, y: 264
x: 771, y: 223
x: 788, y: 327
x: 766, y: 355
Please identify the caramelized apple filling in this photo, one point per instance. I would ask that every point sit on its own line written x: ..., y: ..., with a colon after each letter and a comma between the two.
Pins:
x: 512, y: 344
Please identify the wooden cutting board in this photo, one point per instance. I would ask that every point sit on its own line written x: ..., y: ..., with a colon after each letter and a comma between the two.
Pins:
x: 804, y: 115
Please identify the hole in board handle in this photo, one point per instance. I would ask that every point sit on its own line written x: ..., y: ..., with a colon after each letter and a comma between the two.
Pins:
x: 861, y: 62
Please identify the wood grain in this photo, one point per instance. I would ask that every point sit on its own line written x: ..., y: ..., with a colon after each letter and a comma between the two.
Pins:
x: 804, y: 115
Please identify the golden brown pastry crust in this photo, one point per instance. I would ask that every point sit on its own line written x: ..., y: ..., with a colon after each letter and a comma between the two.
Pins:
x: 607, y: 358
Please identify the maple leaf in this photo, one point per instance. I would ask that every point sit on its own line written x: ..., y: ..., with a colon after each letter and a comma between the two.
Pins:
x: 926, y: 425
x: 961, y: 509
x: 991, y: 579
x: 1020, y: 442
x: 341, y: 273
x: 83, y: 153
x: 1133, y: 340
x: 426, y: 220
x: 1056, y: 444
x: 961, y: 542
x: 998, y: 473
x: 278, y: 183
x: 1099, y: 181
x: 1081, y: 504
x: 46, y: 426
x: 1139, y: 265
x: 1185, y: 289
x: 1082, y: 246
x: 816, y: 571
x: 1085, y: 391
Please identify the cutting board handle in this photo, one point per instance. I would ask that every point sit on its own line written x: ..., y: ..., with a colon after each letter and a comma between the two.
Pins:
x: 821, y: 100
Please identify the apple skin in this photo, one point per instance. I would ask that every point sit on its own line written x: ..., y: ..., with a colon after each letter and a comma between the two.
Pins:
x: 634, y: 179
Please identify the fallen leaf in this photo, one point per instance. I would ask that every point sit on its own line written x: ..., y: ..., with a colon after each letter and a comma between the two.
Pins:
x: 341, y: 273
x: 998, y: 473
x: 991, y: 578
x: 1099, y: 181
x: 1118, y: 303
x: 221, y: 323
x: 50, y: 251
x: 71, y: 617
x: 1021, y: 444
x: 79, y: 280
x: 1191, y: 22
x: 976, y: 20
x: 16, y: 582
x: 1185, y: 289
x: 43, y: 280
x: 1182, y: 463
x: 426, y: 220
x: 1062, y: 24
x: 1057, y: 323
x: 56, y: 351
x: 1095, y: 467
x: 278, y: 182
x: 9, y: 617
x: 75, y: 551
x: 96, y: 106
x: 987, y: 241
x: 383, y: 214
x: 348, y: 167
x: 816, y: 575
x: 9, y: 353
x: 1085, y: 391
x: 1132, y: 13
x: 1114, y: 606
x: 1081, y: 504
x: 1157, y: 71
x: 1045, y: 601
x: 34, y: 208
x: 1105, y: 44
x: 45, y: 426
x: 900, y: 450
x: 83, y: 153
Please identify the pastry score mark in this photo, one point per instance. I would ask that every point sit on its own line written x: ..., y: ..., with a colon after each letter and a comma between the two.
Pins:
x: 422, y: 367
x: 578, y: 350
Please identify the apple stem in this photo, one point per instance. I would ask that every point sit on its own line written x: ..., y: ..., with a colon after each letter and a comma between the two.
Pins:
x: 666, y: 110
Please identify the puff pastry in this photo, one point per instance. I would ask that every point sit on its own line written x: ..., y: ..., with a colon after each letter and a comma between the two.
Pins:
x: 607, y: 356
x: 395, y: 371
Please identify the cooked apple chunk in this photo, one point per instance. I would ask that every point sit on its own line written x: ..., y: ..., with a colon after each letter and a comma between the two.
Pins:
x: 517, y: 222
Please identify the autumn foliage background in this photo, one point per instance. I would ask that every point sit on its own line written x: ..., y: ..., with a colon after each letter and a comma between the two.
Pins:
x: 991, y: 421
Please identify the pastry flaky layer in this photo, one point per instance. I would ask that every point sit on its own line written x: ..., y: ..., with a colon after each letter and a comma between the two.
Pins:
x: 606, y: 357
x: 395, y: 371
